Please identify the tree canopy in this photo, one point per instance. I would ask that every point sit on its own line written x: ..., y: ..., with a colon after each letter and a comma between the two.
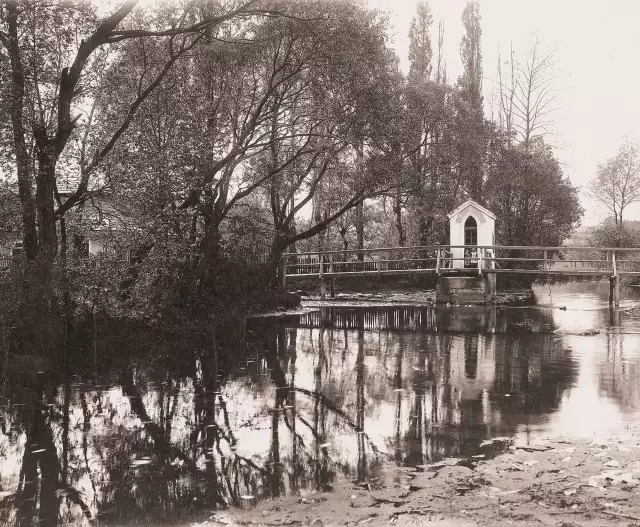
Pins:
x: 202, y: 122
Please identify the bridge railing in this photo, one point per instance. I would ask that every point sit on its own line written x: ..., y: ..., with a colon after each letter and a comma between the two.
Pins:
x: 439, y: 259
x: 383, y: 260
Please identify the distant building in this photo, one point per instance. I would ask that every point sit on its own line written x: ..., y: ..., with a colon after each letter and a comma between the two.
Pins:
x: 98, y: 225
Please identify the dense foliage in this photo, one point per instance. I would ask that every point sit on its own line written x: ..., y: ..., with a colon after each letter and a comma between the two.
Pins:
x: 199, y: 142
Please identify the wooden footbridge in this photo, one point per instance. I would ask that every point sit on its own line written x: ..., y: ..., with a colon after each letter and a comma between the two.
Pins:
x: 487, y: 261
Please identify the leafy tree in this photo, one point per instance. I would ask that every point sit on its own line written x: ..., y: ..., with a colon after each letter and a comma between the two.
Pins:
x: 50, y: 84
x: 472, y: 140
x: 430, y: 131
x: 616, y: 184
x: 610, y: 234
x: 470, y: 52
x: 428, y: 181
x: 10, y: 227
x: 420, y: 51
x: 535, y: 203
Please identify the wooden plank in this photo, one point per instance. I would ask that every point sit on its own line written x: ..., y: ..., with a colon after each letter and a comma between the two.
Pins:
x: 518, y: 259
x: 338, y: 274
x: 492, y: 247
x: 565, y: 272
x: 357, y: 262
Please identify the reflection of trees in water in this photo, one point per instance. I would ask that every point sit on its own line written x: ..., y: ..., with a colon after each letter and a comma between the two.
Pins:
x: 166, y: 441
x: 446, y: 392
x: 154, y: 447
x: 619, y: 373
x: 42, y: 471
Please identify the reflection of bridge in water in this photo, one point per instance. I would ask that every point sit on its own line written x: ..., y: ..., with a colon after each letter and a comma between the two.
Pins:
x: 489, y: 319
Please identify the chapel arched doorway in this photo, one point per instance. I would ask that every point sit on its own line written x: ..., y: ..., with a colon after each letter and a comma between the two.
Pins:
x: 470, y: 242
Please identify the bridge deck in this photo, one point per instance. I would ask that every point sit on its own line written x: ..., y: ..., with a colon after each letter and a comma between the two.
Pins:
x: 453, y: 272
x: 595, y: 262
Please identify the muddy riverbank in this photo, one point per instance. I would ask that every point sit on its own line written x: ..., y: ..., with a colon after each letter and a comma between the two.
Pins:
x: 561, y: 482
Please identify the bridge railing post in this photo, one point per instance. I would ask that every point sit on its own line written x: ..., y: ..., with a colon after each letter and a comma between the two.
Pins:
x: 480, y: 261
x: 546, y: 262
x: 438, y: 261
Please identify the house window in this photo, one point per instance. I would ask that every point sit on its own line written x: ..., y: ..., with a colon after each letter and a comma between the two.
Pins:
x: 470, y: 231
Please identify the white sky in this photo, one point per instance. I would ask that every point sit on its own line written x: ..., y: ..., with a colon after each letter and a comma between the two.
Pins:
x: 596, y: 47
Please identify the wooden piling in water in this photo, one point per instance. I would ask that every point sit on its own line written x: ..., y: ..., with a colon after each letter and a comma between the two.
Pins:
x: 614, y: 283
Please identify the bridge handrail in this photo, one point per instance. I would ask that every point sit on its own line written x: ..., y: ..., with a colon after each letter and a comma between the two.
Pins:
x: 486, y: 247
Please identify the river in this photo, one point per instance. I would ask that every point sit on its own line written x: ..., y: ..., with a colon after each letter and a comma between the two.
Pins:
x: 341, y: 392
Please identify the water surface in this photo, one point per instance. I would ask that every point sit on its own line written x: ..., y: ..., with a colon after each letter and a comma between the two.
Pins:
x: 337, y: 393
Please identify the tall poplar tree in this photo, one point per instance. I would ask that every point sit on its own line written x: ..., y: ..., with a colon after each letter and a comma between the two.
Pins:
x: 472, y: 140
x: 471, y: 55
x: 420, y: 51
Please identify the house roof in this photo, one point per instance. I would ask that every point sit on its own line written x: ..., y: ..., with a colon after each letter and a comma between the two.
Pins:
x: 471, y: 203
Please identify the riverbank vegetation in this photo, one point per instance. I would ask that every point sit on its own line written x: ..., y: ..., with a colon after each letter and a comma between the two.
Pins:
x: 192, y: 145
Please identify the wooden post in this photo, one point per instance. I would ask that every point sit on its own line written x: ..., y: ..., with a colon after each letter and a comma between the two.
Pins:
x: 614, y: 265
x: 610, y: 279
x: 611, y: 292
x: 545, y: 263
x: 480, y: 261
x: 614, y: 285
x: 438, y: 263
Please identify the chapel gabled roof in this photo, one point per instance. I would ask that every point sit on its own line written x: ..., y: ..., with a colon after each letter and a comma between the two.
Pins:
x: 472, y: 203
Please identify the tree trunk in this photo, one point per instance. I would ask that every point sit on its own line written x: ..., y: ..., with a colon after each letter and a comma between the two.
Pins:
x: 360, y: 206
x: 276, y: 265
x: 397, y: 210
x: 317, y: 217
x: 193, y: 230
x: 66, y: 286
x: 47, y: 237
x: 23, y: 165
x: 426, y: 222
x: 360, y: 230
x: 209, y: 252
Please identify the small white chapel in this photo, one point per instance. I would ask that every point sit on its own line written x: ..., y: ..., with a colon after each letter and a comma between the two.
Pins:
x: 470, y: 226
